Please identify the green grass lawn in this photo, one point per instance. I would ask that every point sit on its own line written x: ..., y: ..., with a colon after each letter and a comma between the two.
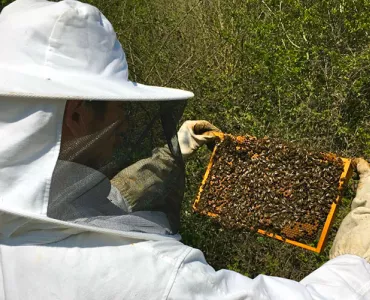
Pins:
x: 296, y: 70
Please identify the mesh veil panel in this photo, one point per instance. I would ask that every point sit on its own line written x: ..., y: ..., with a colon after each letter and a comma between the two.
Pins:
x: 120, y: 167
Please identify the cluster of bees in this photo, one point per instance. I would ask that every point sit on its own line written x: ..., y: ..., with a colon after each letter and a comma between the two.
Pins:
x: 270, y: 185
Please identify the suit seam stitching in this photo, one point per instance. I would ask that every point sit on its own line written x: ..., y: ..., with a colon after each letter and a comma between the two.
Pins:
x: 173, y: 276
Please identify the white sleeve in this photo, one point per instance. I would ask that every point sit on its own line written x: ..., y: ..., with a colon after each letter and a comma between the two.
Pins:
x: 346, y: 277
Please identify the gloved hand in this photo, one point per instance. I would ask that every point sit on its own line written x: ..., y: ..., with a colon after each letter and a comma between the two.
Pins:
x: 194, y: 134
x: 363, y: 189
x: 353, y: 235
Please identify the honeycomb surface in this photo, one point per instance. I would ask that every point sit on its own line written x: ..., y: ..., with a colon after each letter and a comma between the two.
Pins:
x: 271, y: 185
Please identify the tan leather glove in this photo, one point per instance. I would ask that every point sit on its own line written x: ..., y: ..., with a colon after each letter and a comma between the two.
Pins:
x: 194, y: 134
x: 353, y: 235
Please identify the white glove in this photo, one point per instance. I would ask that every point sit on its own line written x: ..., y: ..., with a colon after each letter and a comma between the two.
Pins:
x: 194, y: 134
x: 363, y: 189
x: 353, y: 235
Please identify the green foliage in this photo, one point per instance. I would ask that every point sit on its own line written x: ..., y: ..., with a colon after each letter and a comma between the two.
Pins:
x: 296, y: 70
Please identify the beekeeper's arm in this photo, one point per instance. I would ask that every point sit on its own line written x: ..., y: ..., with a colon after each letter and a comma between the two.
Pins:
x: 133, y: 182
x: 156, y: 183
x: 353, y: 236
x: 346, y: 276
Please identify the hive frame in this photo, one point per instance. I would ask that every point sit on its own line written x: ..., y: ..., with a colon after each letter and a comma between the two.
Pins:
x: 345, y: 176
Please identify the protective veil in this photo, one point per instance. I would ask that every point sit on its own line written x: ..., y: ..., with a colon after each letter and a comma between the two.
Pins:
x: 139, y: 142
x: 94, y: 214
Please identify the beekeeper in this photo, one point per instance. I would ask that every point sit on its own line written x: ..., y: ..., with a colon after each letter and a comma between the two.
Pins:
x: 71, y: 121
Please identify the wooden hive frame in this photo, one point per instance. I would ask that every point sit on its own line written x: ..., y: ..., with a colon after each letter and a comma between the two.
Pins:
x: 345, y: 176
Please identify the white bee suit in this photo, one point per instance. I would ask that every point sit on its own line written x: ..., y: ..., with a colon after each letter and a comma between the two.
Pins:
x: 46, y: 258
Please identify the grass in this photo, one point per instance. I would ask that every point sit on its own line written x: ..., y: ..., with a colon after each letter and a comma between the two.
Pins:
x: 296, y: 70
